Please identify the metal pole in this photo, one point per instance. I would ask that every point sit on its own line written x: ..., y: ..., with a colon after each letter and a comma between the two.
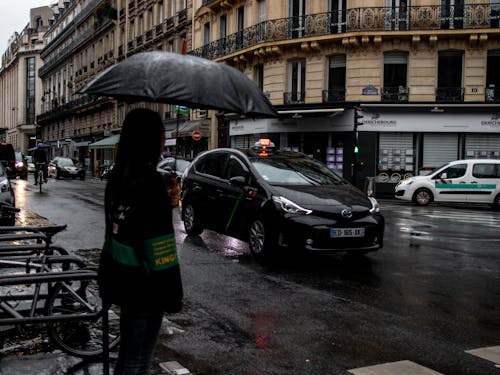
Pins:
x: 105, y: 339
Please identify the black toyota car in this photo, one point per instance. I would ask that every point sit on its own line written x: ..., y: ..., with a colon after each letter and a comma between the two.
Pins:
x: 277, y: 199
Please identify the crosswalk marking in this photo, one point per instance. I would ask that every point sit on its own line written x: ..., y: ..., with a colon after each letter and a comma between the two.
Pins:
x: 491, y: 353
x: 395, y: 368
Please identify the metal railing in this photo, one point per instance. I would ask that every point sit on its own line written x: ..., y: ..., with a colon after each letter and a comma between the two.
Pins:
x: 395, y: 94
x: 428, y: 17
x: 492, y: 94
x: 294, y: 97
x: 450, y: 94
x: 333, y: 95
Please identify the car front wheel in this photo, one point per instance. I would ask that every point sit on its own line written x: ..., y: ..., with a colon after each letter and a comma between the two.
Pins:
x: 260, y: 239
x: 191, y: 224
x: 422, y: 197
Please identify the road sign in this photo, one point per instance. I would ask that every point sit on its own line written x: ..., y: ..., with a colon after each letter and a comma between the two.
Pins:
x: 196, y: 135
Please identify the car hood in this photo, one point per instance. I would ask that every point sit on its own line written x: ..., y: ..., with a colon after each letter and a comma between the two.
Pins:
x: 329, y: 198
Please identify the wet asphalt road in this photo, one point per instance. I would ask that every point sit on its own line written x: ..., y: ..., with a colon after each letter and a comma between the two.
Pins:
x: 432, y: 293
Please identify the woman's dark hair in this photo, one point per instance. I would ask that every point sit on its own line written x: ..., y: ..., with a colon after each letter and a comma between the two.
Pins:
x: 139, y: 147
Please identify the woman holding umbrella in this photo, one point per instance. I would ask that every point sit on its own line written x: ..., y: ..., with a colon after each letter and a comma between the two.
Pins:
x: 139, y: 268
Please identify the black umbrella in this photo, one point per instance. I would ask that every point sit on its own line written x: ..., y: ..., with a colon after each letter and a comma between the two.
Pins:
x: 190, y: 81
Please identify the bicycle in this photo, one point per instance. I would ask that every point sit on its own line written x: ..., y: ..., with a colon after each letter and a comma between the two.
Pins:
x: 39, y: 167
x: 63, y: 292
x: 67, y: 301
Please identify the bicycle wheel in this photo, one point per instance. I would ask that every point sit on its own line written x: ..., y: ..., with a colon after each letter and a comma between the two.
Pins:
x: 81, y: 337
x: 40, y: 181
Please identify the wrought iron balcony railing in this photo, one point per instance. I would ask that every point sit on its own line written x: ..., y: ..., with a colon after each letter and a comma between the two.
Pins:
x: 450, y: 94
x: 395, y: 94
x: 158, y: 30
x: 428, y: 17
x: 333, y: 95
x: 294, y: 97
x: 58, y: 111
x: 492, y: 94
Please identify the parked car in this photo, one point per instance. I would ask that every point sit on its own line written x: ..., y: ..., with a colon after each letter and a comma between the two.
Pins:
x: 173, y: 167
x: 8, y: 158
x: 21, y: 165
x: 31, y: 164
x: 467, y: 181
x: 277, y: 199
x: 65, y: 167
x: 7, y: 198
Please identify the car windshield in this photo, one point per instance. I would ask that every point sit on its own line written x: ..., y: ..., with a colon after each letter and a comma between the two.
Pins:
x: 295, y: 171
x: 65, y: 162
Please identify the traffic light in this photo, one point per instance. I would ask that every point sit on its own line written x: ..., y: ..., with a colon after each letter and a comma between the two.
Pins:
x: 358, y: 117
x: 356, y: 149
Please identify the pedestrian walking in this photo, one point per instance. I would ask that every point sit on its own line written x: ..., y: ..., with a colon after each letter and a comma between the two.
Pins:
x: 139, y: 267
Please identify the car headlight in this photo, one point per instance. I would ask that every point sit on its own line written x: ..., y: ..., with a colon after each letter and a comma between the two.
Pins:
x: 407, y: 181
x: 375, y: 206
x: 290, y: 207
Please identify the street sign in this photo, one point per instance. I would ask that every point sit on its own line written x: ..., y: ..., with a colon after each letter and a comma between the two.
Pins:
x: 196, y: 135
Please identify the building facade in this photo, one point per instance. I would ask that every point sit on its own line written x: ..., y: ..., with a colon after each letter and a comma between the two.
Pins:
x: 85, y: 37
x: 20, y: 87
x: 424, y: 74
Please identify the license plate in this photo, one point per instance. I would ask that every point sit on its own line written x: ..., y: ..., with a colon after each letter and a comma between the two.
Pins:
x: 347, y: 232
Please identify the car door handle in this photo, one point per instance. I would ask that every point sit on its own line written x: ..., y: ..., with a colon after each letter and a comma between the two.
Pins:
x: 473, y: 182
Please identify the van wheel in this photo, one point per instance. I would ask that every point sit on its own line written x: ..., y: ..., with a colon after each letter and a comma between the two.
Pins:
x: 496, y: 203
x: 191, y: 225
x: 422, y: 197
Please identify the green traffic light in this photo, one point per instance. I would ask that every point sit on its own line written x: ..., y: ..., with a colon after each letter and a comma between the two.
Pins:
x: 356, y: 149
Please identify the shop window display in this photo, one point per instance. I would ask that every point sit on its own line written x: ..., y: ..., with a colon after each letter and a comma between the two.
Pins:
x: 395, y: 164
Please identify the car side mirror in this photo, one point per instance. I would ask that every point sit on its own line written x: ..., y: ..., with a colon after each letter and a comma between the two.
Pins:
x: 237, y: 181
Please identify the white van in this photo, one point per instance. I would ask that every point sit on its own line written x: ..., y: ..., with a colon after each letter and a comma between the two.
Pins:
x: 468, y: 181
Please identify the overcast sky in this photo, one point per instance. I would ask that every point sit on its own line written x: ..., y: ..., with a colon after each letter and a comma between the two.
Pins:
x: 14, y: 16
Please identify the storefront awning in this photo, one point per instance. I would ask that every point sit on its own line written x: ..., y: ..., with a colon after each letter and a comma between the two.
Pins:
x: 108, y: 142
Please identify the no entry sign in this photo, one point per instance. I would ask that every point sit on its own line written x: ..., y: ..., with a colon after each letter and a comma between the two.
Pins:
x: 196, y: 135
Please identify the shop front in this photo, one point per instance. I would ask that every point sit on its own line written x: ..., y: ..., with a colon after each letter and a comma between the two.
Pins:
x: 103, y: 153
x: 325, y: 136
x: 408, y: 143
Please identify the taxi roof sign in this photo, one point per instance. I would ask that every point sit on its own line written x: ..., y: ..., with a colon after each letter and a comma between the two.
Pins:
x: 265, y: 142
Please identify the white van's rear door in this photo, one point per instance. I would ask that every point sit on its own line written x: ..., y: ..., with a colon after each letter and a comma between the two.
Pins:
x: 484, y: 182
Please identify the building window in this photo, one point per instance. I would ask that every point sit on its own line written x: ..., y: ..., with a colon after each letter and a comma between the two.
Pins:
x: 336, y: 79
x: 338, y: 14
x: 259, y: 76
x: 493, y: 76
x: 395, y: 77
x: 450, y: 71
x: 30, y: 90
x: 240, y: 24
x: 206, y: 33
x: 297, y: 11
x: 296, y: 82
x: 452, y: 14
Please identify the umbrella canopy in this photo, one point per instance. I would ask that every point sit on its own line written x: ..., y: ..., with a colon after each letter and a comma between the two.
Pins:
x: 191, y: 81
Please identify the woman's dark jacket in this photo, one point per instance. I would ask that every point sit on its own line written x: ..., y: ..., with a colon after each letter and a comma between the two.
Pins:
x: 136, y: 212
